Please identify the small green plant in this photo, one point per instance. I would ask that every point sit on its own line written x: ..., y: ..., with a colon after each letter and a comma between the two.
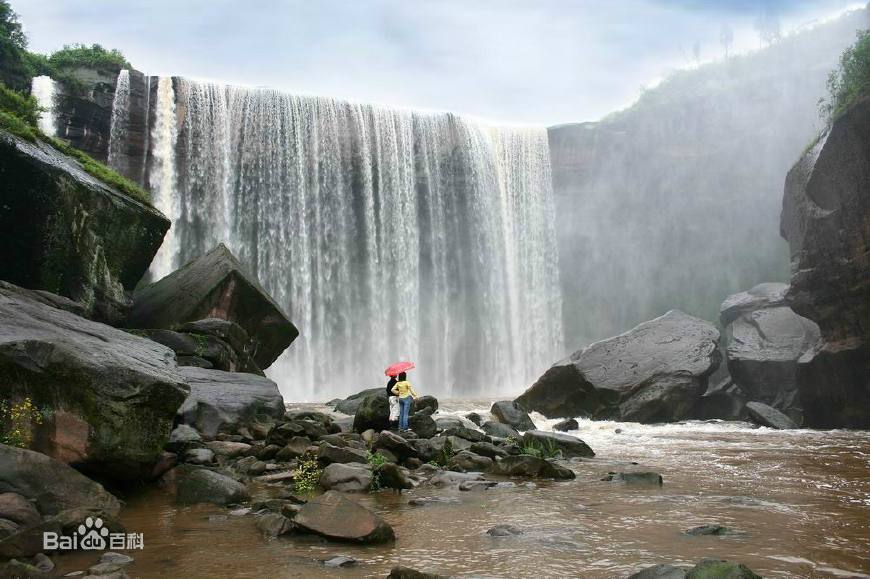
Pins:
x: 307, y: 477
x: 16, y: 421
x: 850, y: 79
x: 444, y: 456
x: 22, y: 106
x: 513, y: 440
x: 545, y: 449
x: 375, y: 460
x: 93, y: 56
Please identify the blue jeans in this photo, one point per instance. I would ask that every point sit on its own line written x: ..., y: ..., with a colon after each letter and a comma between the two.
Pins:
x: 404, y: 411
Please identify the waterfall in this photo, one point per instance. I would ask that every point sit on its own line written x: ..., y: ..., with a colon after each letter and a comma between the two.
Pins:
x: 161, y: 178
x: 120, y: 120
x: 43, y: 89
x: 385, y: 234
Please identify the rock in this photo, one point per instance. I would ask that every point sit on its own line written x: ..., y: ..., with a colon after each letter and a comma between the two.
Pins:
x: 467, y: 461
x: 477, y: 485
x: 500, y: 430
x: 226, y: 330
x: 423, y: 425
x: 426, y: 501
x: 329, y: 454
x: 655, y: 372
x: 448, y: 422
x: 717, y: 568
x: 226, y: 401
x: 426, y: 403
x: 448, y: 444
x: 373, y: 412
x: 395, y: 444
x: 652, y: 479
x: 531, y: 466
x: 388, y: 455
x: 228, y: 449
x: 312, y: 415
x: 8, y: 528
x: 475, y: 418
x: 508, y: 412
x: 202, y: 350
x: 346, y: 477
x: 295, y: 447
x: 27, y: 542
x: 15, y: 569
x: 715, y: 530
x: 826, y: 221
x: 282, y: 433
x: 764, y: 415
x: 333, y: 516
x: 660, y: 572
x: 466, y: 433
x: 65, y: 232
x: 504, y: 531
x: 273, y: 525
x: 566, y: 425
x: 53, y: 485
x: 216, y: 286
x: 408, y: 573
x: 487, y: 449
x: 339, y: 561
x: 352, y: 403
x: 202, y: 456
x: 44, y: 563
x: 111, y: 396
x: 19, y: 510
x: 765, y: 341
x: 183, y: 437
x: 200, y: 485
x: 449, y: 478
x: 391, y: 476
x: 570, y: 446
x: 723, y: 400
x: 268, y: 452
x: 344, y: 424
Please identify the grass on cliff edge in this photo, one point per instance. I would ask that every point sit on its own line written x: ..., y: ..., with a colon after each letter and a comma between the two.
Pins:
x: 850, y: 79
x: 18, y: 115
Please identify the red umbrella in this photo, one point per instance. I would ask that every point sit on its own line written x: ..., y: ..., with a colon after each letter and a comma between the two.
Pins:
x: 398, y: 368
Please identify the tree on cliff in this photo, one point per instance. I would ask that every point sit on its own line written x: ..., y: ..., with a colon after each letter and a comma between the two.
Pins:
x: 850, y: 80
x: 13, y: 50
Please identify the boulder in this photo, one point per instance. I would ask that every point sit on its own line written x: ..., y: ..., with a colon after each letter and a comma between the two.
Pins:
x: 183, y: 437
x: 195, y: 484
x: 373, y: 412
x: 350, y: 404
x: 764, y: 415
x: 16, y: 508
x: 499, y: 430
x: 395, y: 444
x: 488, y: 449
x: 283, y: 432
x: 273, y: 525
x: 426, y: 403
x: 508, y: 412
x: 467, y: 461
x: 111, y: 396
x: 640, y: 479
x: 476, y: 418
x: 328, y: 454
x: 655, y: 372
x: 28, y: 541
x: 716, y: 568
x: 504, y: 531
x: 723, y: 401
x: 295, y: 447
x: 660, y: 572
x: 526, y: 465
x: 570, y: 446
x: 226, y: 401
x: 449, y: 478
x: 765, y: 339
x: 352, y: 477
x: 339, y: 561
x: 335, y: 517
x: 202, y: 456
x: 423, y: 425
x: 65, y: 232
x: 408, y: 573
x: 201, y: 350
x: 566, y: 425
x: 712, y: 530
x: 468, y: 434
x: 826, y: 221
x: 228, y: 449
x: 392, y: 476
x: 216, y: 286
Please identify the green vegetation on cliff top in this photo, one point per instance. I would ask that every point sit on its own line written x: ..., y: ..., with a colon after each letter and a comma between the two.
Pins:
x: 850, y: 80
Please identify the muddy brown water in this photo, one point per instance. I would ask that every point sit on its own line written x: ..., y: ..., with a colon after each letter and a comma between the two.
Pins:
x: 802, y: 498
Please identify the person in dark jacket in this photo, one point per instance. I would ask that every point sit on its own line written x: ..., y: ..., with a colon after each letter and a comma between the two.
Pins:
x: 394, y: 403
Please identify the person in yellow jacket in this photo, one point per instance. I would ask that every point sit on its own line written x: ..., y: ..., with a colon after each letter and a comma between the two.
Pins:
x: 406, y: 394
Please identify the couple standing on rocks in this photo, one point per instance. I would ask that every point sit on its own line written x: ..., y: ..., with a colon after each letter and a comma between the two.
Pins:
x: 401, y: 394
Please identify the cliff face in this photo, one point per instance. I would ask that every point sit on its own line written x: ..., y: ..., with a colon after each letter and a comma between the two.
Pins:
x: 674, y: 202
x: 826, y: 221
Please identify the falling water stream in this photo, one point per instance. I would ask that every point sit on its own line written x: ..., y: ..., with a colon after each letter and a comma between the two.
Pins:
x: 120, y: 118
x: 386, y: 234
x: 43, y: 90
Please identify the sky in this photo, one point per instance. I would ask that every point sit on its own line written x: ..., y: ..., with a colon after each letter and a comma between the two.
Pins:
x: 536, y: 62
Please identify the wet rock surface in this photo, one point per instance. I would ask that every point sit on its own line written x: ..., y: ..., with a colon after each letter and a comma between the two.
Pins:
x: 336, y: 517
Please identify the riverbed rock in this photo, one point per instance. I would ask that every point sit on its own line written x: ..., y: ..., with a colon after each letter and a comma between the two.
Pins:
x: 182, y: 438
x: 449, y: 478
x: 28, y: 541
x: 423, y: 425
x: 229, y: 449
x: 566, y: 425
x: 826, y: 221
x: 655, y: 372
x: 716, y: 568
x: 500, y: 430
x: 570, y: 446
x: 295, y: 447
x: 508, y: 412
x: 392, y: 476
x: 328, y: 454
x: 333, y: 516
x: 638, y: 479
x: 408, y: 573
x: 373, y: 412
x: 765, y: 341
x: 354, y: 478
x: 468, y: 434
x: 395, y: 444
x: 723, y: 400
x: 426, y: 403
x: 764, y: 415
x: 65, y: 232
x: 467, y: 461
x: 352, y: 403
x: 215, y: 285
x: 526, y: 465
x: 273, y: 525
x: 660, y: 572
x: 18, y: 509
x: 488, y: 449
x: 504, y: 531
x: 227, y: 401
x: 110, y: 396
x: 196, y: 484
x: 712, y: 530
x: 202, y: 456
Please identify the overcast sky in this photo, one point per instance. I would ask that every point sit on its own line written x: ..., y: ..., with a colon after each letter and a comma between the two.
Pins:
x: 517, y: 61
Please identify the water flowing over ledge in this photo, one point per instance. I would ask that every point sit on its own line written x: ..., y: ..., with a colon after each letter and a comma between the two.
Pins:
x: 386, y: 234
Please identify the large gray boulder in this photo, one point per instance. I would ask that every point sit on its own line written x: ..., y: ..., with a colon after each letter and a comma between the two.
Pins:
x: 508, y: 412
x: 53, y: 485
x: 655, y: 372
x: 215, y: 285
x: 195, y: 484
x: 764, y: 415
x: 64, y: 231
x: 335, y: 517
x: 372, y: 413
x: 570, y: 446
x: 350, y: 404
x: 110, y: 396
x: 354, y: 478
x: 526, y: 465
x: 765, y: 339
x: 226, y: 401
x: 826, y: 221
